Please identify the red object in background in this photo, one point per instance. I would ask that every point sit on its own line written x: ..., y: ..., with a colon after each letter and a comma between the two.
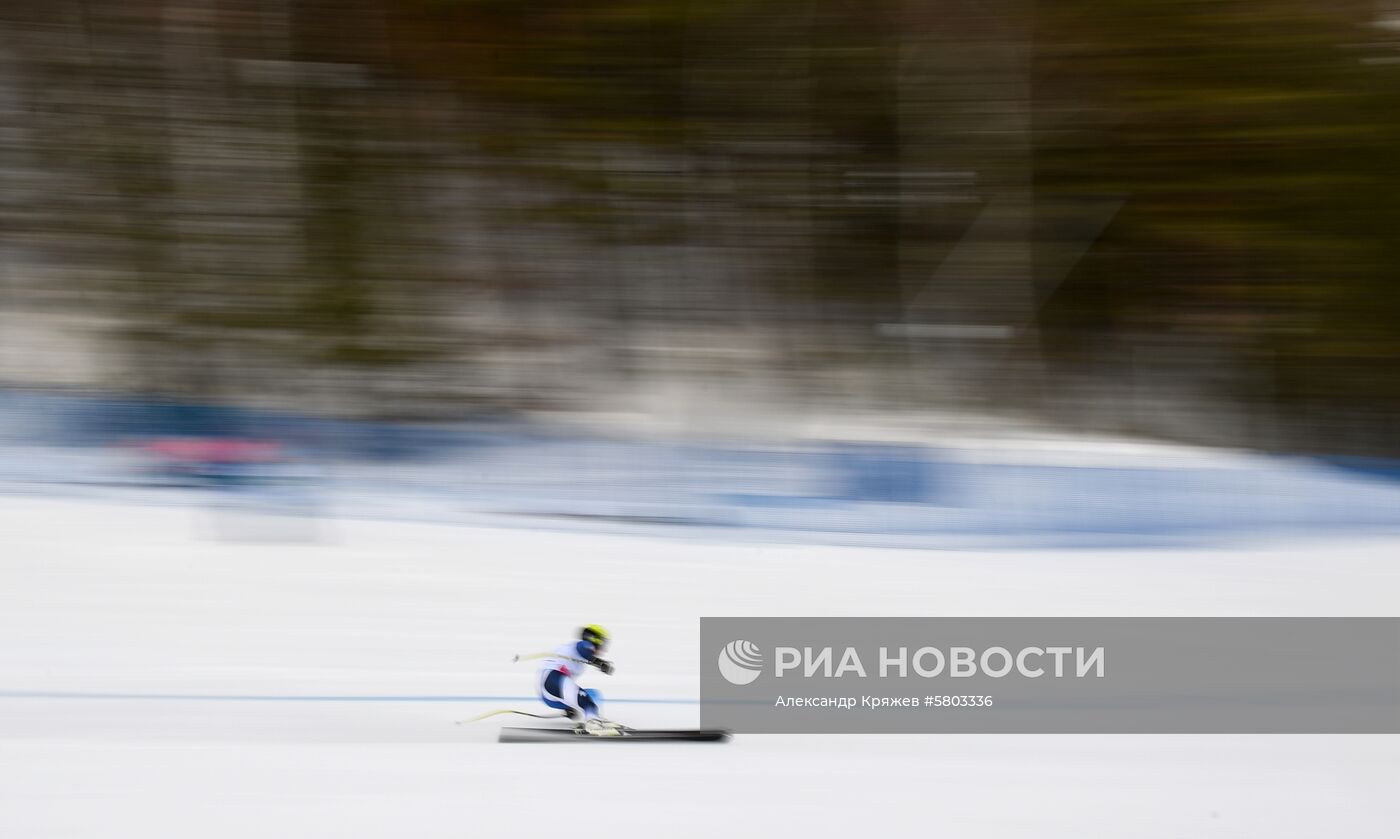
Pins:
x: 214, y: 450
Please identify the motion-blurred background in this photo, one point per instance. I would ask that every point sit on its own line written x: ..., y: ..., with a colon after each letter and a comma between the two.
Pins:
x: 516, y: 239
x: 349, y: 348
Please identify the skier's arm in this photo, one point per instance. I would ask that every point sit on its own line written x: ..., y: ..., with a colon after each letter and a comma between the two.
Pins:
x: 585, y: 652
x: 589, y: 653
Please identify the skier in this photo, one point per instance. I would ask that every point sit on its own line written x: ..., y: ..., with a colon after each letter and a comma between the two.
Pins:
x: 558, y: 687
x: 558, y: 680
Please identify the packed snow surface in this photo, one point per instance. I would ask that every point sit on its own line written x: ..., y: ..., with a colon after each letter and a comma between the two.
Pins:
x: 157, y: 682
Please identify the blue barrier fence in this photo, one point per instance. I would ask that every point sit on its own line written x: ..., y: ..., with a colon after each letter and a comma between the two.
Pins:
x: 831, y: 491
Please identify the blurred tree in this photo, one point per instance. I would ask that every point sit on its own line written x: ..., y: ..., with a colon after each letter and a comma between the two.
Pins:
x: 238, y: 211
x: 1254, y: 142
x: 323, y: 188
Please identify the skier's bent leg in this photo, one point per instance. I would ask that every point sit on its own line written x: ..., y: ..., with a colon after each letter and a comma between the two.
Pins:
x: 588, y: 701
x: 559, y: 691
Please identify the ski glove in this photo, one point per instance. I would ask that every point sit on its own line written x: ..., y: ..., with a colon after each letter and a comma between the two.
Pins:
x: 605, y: 666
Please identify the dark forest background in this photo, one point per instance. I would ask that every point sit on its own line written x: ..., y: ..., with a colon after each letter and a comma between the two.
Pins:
x: 1168, y: 218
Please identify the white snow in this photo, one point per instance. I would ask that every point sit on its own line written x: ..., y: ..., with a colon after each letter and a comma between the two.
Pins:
x: 100, y: 600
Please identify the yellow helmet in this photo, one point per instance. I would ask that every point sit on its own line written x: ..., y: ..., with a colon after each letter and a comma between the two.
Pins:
x: 595, y: 635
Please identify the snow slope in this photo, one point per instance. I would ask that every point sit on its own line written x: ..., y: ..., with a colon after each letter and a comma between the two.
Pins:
x: 154, y: 683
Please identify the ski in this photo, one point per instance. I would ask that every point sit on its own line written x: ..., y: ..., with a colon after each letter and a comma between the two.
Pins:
x: 570, y: 735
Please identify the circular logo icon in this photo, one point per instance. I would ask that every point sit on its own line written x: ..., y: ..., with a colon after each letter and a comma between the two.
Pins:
x: 740, y: 662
